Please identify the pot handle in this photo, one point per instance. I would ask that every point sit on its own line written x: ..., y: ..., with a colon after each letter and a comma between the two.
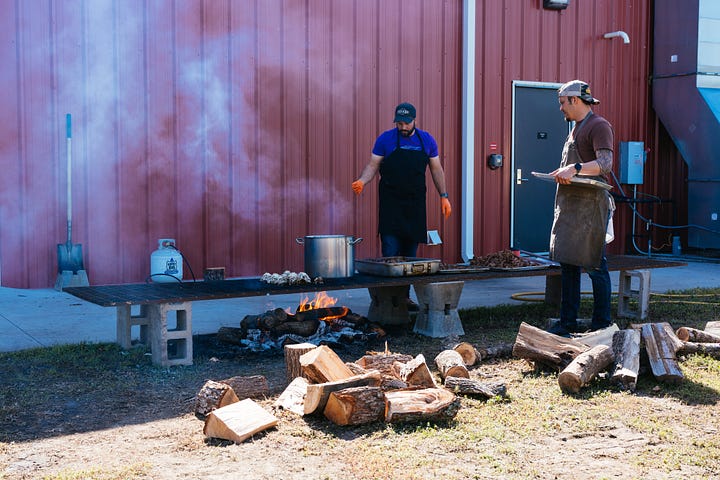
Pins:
x: 355, y: 242
x: 300, y: 241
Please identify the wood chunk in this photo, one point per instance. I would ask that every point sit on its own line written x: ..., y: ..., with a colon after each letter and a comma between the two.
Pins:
x: 213, y: 395
x: 322, y: 365
x: 238, y: 421
x: 709, y: 349
x: 451, y: 364
x: 383, y: 361
x: 626, y: 348
x: 545, y: 348
x: 466, y: 386
x: 293, y: 397
x: 231, y: 335
x: 416, y: 373
x: 428, y: 404
x: 355, y: 368
x: 495, y: 351
x: 661, y: 348
x: 713, y: 327
x: 584, y: 368
x: 292, y: 354
x: 468, y: 353
x: 687, y: 334
x: 604, y: 336
x: 317, y: 394
x: 253, y: 386
x: 355, y: 406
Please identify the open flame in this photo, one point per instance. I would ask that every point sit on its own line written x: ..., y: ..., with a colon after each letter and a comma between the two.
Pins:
x: 322, y: 300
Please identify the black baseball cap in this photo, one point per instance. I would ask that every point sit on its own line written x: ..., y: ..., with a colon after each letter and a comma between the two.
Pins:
x: 405, y: 112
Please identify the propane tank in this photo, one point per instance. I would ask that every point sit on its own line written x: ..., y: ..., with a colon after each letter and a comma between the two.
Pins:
x: 166, y: 262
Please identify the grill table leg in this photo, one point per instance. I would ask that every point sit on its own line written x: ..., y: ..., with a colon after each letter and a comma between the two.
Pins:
x: 438, y: 316
x: 388, y: 305
x: 171, y: 347
x: 125, y: 322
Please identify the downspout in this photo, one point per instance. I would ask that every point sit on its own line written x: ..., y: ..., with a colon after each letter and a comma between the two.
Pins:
x: 468, y: 132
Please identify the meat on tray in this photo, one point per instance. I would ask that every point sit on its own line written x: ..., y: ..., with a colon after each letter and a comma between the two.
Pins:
x: 501, y: 259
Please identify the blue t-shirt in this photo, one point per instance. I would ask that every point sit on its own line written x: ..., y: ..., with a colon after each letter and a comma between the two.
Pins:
x: 386, y: 143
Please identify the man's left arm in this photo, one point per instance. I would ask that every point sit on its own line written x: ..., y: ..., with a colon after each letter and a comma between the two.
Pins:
x: 438, y: 176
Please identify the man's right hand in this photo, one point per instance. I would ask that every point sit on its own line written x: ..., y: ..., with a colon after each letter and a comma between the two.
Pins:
x: 357, y: 186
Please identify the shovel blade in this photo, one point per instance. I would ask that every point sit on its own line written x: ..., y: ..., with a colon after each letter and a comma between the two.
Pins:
x: 70, y: 257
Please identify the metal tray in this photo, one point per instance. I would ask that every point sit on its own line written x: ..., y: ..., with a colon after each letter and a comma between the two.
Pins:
x: 397, y: 266
x: 589, y: 182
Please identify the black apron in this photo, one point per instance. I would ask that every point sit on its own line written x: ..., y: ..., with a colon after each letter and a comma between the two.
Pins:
x: 581, y: 217
x: 402, y: 193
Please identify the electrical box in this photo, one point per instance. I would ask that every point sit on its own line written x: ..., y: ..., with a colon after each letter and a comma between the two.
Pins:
x: 632, y: 162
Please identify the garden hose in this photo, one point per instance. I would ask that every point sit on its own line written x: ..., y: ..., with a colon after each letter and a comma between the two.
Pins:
x: 524, y: 297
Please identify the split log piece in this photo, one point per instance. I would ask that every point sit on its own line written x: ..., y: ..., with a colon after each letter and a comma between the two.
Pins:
x: 239, y: 421
x: 626, y: 348
x: 322, y: 365
x: 231, y: 335
x: 495, y: 351
x: 292, y: 359
x: 660, y: 346
x: 427, y: 404
x: 355, y: 406
x: 450, y: 364
x: 317, y: 394
x: 383, y: 361
x: 713, y: 327
x: 416, y: 373
x: 293, y: 397
x: 253, y: 386
x: 545, y: 348
x: 709, y: 349
x: 355, y: 368
x: 467, y: 352
x: 213, y: 395
x: 584, y: 368
x: 604, y: 336
x: 466, y: 386
x: 687, y: 334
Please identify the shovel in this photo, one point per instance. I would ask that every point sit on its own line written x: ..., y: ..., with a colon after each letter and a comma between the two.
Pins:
x: 70, y: 257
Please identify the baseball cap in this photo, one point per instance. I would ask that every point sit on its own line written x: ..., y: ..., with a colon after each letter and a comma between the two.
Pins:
x: 405, y: 112
x: 577, y: 88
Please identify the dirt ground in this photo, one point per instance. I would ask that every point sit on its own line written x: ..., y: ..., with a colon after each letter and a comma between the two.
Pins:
x: 142, y: 426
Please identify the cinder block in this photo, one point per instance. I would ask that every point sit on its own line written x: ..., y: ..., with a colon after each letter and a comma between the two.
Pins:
x: 626, y: 293
x: 438, y: 316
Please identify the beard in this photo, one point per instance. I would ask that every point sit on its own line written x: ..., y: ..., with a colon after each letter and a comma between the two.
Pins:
x: 407, y: 133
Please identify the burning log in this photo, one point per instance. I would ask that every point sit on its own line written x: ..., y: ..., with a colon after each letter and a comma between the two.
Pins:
x: 317, y: 394
x: 687, y: 334
x: 292, y: 359
x: 293, y: 397
x: 213, y: 395
x: 322, y: 365
x: 545, y: 348
x: 710, y: 349
x: 416, y: 373
x: 450, y: 364
x: 661, y: 345
x: 239, y: 421
x: 468, y: 353
x: 626, y: 347
x: 253, y: 386
x: 320, y: 314
x: 428, y: 404
x: 584, y: 368
x: 466, y: 386
x: 355, y: 406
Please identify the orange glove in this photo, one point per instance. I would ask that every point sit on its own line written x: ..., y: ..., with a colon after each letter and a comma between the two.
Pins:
x: 445, y: 206
x: 357, y: 186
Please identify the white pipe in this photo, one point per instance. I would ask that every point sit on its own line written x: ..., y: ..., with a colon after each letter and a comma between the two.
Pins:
x: 468, y: 132
x: 619, y: 33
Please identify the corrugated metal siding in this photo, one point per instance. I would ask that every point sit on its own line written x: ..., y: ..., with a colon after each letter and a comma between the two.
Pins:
x: 236, y: 126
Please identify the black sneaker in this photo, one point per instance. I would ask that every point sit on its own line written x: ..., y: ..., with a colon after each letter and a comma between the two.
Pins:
x: 559, y: 330
x: 597, y: 326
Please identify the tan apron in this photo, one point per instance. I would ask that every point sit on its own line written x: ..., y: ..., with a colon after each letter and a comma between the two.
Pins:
x: 581, y: 219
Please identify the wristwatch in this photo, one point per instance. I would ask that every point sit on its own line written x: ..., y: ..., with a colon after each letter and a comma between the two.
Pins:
x: 444, y: 195
x: 578, y: 167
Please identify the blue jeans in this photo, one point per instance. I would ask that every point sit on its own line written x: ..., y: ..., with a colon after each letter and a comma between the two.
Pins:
x: 393, y: 246
x: 570, y: 295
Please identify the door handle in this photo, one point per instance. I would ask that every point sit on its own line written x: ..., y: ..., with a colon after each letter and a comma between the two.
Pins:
x: 518, y: 177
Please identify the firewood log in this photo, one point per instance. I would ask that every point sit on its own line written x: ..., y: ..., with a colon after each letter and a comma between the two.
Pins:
x: 626, y: 348
x: 713, y: 328
x: 231, y: 335
x: 355, y: 368
x: 584, y: 368
x: 239, y: 421
x: 466, y: 386
x: 355, y: 406
x: 293, y: 397
x: 709, y: 349
x: 450, y: 364
x: 271, y: 319
x: 321, y: 365
x: 687, y: 334
x: 302, y: 329
x: 661, y: 344
x: 428, y: 404
x: 382, y: 361
x: 604, y: 336
x: 317, y: 394
x: 495, y: 351
x: 317, y: 314
x: 416, y: 373
x: 545, y: 348
x: 213, y: 395
x: 253, y: 386
x: 468, y: 353
x: 292, y: 359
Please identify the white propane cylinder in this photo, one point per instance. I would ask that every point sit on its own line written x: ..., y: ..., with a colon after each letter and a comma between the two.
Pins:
x: 166, y: 263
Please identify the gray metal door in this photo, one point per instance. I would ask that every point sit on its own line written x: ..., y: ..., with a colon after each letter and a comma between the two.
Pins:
x: 539, y: 132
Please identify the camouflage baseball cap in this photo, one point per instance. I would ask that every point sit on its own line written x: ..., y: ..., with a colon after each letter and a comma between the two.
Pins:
x: 577, y: 88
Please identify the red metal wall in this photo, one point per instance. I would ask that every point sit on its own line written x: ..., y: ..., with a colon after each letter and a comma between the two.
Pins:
x: 236, y: 126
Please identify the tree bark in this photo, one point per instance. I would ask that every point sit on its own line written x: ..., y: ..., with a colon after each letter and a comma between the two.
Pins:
x: 584, y: 368
x: 213, y: 395
x: 450, y: 364
x: 661, y: 345
x: 429, y: 404
x: 322, y: 365
x: 709, y: 349
x: 545, y: 348
x: 626, y: 347
x: 254, y: 386
x: 466, y: 386
x: 317, y: 394
x: 239, y: 421
x: 292, y: 359
x: 416, y: 373
x: 687, y: 334
x: 293, y: 397
x: 355, y: 406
